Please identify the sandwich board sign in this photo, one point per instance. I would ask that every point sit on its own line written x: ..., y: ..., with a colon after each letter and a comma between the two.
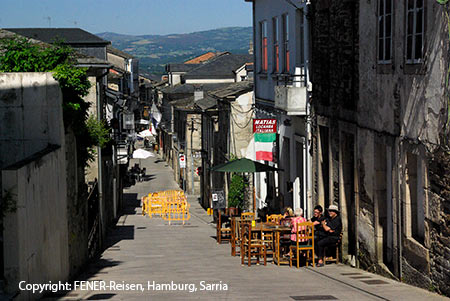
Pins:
x: 218, y: 199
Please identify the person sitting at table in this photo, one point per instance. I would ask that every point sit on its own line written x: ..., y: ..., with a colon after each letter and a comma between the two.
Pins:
x: 286, y: 219
x: 298, y: 218
x: 332, y: 227
x: 317, y: 219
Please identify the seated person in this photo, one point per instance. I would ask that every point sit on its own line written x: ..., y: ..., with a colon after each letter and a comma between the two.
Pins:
x: 332, y: 227
x: 286, y: 219
x: 285, y: 239
x: 294, y: 221
x: 317, y: 219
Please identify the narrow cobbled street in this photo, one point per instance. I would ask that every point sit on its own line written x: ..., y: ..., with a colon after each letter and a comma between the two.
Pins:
x: 151, y: 252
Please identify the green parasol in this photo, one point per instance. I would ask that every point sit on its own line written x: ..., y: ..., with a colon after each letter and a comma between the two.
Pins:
x: 243, y: 165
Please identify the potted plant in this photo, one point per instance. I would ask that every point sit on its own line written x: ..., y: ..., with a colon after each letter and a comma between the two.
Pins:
x: 236, y: 194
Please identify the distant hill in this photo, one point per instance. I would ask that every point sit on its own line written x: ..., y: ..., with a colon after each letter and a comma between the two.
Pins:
x: 154, y: 51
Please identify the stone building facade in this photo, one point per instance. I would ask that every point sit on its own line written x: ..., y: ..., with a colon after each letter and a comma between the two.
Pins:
x: 379, y: 135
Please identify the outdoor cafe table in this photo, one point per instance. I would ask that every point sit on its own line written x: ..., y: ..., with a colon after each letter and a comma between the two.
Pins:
x: 264, y: 228
x: 278, y: 231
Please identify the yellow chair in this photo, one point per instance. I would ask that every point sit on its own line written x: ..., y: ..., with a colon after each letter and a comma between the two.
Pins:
x: 235, y: 236
x: 223, y: 233
x: 251, y: 247
x: 305, y: 233
x: 274, y: 218
x: 247, y: 216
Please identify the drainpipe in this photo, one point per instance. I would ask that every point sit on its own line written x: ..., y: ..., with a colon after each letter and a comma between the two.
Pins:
x: 99, y: 166
x: 306, y: 38
x: 399, y: 207
x: 130, y: 63
x: 192, y: 157
x: 99, y: 153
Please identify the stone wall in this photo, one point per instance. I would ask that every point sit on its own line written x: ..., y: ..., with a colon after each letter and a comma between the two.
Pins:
x: 439, y: 220
x: 35, y: 235
x: 193, y: 151
x: 31, y: 116
x: 77, y: 207
x: 335, y: 58
x: 30, y: 120
x: 30, y: 112
x: 397, y: 114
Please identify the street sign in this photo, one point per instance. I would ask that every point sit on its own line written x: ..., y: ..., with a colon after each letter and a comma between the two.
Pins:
x: 182, y: 159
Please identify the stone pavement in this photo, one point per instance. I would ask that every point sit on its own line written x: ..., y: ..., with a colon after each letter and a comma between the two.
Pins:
x: 146, y: 251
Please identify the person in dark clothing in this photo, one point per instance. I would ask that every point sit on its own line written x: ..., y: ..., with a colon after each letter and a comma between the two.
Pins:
x: 317, y: 219
x: 332, y: 228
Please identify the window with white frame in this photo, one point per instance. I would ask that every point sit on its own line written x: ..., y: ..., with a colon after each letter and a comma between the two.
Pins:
x: 263, y: 30
x: 385, y: 21
x: 300, y: 38
x: 276, y: 46
x: 286, y: 56
x: 415, y: 19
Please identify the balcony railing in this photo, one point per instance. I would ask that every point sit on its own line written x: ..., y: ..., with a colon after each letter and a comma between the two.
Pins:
x: 291, y: 93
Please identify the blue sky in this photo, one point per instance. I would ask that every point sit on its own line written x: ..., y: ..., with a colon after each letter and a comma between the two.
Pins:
x: 127, y: 16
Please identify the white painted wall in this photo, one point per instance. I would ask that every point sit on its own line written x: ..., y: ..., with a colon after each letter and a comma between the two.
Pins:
x: 267, y: 10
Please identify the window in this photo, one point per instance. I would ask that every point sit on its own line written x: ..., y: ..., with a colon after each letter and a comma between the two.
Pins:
x: 286, y: 42
x: 385, y: 19
x: 414, y: 31
x: 300, y: 37
x: 276, y: 46
x: 263, y: 28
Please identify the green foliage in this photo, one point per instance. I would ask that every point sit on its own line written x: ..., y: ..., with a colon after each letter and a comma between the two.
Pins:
x: 20, y: 55
x: 443, y: 2
x: 236, y: 192
x: 98, y: 131
x: 72, y: 78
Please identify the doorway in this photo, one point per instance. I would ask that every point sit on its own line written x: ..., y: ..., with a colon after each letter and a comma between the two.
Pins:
x: 300, y: 175
x: 347, y: 195
x: 383, y: 205
x: 324, y: 167
x: 286, y: 165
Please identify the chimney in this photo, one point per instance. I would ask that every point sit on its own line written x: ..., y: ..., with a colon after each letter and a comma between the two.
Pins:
x: 198, y: 94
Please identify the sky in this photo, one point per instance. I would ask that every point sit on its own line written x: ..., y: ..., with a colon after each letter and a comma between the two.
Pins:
x: 135, y: 17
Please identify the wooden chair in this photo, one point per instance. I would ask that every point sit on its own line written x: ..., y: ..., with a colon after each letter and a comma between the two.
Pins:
x: 305, y: 232
x: 268, y: 240
x: 223, y: 233
x: 251, y: 247
x: 338, y: 247
x: 247, y: 216
x: 235, y: 236
x: 274, y: 218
